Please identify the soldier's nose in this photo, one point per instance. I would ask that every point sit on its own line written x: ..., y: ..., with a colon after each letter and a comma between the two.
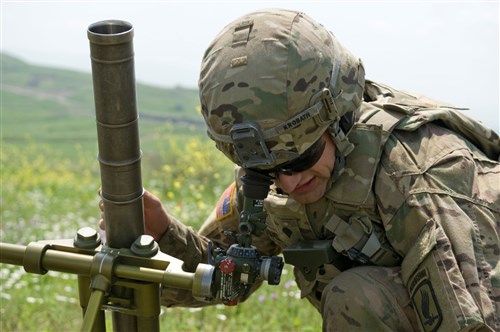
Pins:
x: 289, y: 182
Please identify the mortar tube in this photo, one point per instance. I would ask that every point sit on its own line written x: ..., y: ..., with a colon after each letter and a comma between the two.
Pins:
x: 112, y: 58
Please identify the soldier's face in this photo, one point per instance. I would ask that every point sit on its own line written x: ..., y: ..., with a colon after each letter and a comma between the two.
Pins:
x: 310, y: 185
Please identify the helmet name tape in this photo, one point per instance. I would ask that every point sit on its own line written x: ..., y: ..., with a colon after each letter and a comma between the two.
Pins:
x: 294, y: 122
x: 310, y: 112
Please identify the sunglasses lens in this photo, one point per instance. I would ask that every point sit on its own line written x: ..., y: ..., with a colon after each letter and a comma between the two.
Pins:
x: 304, y: 161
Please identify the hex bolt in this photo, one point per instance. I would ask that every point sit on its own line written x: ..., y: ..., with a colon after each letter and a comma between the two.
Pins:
x: 145, y: 246
x: 87, y: 238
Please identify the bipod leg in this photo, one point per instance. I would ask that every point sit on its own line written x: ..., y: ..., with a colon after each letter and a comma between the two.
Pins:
x: 143, y: 306
x: 148, y: 311
x: 93, y: 319
x: 85, y: 292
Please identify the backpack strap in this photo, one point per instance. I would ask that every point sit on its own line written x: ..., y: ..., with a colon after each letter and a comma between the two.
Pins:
x: 386, y: 119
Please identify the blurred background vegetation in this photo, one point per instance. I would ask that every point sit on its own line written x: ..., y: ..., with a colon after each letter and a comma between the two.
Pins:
x: 49, y: 181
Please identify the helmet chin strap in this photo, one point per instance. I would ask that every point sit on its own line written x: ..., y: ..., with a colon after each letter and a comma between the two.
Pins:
x: 338, y: 168
x: 336, y: 130
x: 342, y: 144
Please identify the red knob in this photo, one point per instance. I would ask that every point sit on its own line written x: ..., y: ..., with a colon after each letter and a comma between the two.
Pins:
x: 227, y: 265
x: 232, y: 302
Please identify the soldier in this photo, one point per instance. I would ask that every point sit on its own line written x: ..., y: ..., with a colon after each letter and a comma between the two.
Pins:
x: 405, y: 187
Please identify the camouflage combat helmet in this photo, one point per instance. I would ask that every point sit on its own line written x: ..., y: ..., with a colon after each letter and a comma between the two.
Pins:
x: 272, y: 82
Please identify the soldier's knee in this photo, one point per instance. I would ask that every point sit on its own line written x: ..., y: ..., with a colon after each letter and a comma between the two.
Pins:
x: 367, y: 298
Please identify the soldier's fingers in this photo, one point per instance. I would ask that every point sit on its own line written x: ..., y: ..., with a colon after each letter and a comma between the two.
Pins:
x: 102, y: 224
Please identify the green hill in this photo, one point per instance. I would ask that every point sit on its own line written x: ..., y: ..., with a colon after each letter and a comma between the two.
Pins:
x: 56, y: 106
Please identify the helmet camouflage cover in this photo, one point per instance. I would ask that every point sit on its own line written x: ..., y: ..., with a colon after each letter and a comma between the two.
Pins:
x: 271, y: 83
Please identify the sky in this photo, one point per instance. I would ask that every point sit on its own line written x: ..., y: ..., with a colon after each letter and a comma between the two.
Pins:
x: 447, y: 50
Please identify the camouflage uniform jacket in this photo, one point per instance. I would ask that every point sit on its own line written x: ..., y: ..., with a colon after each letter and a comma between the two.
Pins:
x: 430, y: 195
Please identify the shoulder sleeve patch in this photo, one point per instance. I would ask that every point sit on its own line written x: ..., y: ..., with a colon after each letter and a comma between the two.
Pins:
x: 225, y: 204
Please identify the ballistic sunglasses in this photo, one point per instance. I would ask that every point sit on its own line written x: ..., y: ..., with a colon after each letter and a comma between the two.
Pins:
x: 304, y: 161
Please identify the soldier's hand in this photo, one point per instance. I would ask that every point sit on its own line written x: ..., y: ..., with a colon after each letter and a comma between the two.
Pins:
x: 156, y: 220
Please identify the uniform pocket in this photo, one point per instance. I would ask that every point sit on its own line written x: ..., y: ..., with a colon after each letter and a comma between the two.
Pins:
x: 436, y: 285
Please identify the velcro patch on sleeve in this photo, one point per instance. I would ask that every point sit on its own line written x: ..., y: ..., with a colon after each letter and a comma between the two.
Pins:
x: 225, y: 204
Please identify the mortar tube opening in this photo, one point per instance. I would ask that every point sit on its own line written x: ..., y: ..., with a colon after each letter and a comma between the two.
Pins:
x: 110, y: 27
